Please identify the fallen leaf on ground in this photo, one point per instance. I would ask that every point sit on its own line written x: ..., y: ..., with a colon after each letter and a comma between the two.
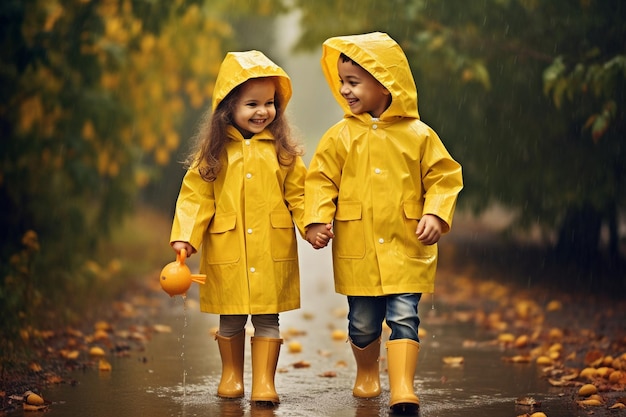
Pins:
x: 104, y: 365
x: 301, y: 364
x: 453, y: 360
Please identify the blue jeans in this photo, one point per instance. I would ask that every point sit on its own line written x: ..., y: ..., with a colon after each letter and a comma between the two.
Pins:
x: 366, y: 315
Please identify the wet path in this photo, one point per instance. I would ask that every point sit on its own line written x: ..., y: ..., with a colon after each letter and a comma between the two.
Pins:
x: 178, y: 372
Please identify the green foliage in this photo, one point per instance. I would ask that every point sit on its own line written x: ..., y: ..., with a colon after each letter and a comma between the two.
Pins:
x: 527, y: 95
x: 71, y: 160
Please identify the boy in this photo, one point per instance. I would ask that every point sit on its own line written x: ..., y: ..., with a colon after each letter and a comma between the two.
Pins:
x: 389, y: 187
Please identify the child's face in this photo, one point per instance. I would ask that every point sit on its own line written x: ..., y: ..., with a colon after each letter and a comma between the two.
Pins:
x: 255, y: 108
x: 361, y: 90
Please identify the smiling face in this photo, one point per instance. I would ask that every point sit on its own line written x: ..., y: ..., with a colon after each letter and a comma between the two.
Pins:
x: 255, y: 108
x: 361, y: 90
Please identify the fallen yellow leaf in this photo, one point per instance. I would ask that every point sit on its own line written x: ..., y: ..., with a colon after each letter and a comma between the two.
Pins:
x: 35, y: 367
x: 593, y: 403
x: 544, y: 361
x: 295, y: 347
x: 34, y: 399
x: 339, y: 335
x: 506, y: 338
x: 30, y: 407
x: 162, y: 328
x: 104, y: 365
x: 616, y: 377
x: 554, y: 305
x: 587, y: 390
x: 521, y: 341
x: 453, y: 360
x: 96, y: 351
x: 588, y: 373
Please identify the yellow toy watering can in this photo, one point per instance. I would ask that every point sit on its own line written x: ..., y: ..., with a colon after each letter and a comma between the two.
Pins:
x: 176, y: 278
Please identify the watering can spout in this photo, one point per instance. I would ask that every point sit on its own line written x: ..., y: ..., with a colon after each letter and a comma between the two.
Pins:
x: 176, y: 278
x: 198, y: 278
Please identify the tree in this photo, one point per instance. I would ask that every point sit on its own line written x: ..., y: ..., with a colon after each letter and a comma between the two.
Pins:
x: 527, y: 94
x: 93, y: 95
x: 94, y: 99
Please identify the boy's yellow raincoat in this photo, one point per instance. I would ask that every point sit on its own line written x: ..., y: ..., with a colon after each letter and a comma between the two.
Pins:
x: 376, y: 178
x: 244, y: 220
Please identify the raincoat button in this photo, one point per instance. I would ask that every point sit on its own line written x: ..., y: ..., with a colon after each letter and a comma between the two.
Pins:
x: 377, y: 170
x: 374, y: 127
x: 249, y: 231
x: 248, y: 175
x: 252, y: 269
x: 247, y: 142
x: 381, y: 240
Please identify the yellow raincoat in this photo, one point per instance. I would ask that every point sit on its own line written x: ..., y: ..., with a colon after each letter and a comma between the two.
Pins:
x: 244, y: 220
x: 375, y: 178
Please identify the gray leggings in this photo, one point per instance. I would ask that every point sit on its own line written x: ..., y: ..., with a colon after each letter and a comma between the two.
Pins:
x: 265, y: 325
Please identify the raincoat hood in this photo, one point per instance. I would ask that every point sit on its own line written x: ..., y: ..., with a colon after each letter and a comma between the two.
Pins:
x: 383, y: 58
x: 238, y: 67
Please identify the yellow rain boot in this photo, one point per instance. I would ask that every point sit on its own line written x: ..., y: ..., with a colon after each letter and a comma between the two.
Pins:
x: 231, y: 352
x: 401, y: 362
x: 265, y: 351
x: 367, y: 382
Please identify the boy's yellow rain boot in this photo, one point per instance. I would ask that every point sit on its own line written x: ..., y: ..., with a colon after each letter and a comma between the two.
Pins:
x: 231, y: 352
x: 401, y: 362
x: 367, y: 382
x: 265, y: 351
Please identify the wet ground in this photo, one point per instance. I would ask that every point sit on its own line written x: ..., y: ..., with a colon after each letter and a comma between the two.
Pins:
x: 175, y: 374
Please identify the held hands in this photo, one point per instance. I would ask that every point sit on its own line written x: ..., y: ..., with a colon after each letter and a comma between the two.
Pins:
x: 429, y: 229
x: 178, y: 245
x: 319, y: 234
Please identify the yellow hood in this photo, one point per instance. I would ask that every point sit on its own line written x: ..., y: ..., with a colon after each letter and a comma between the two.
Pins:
x: 238, y: 67
x: 382, y: 57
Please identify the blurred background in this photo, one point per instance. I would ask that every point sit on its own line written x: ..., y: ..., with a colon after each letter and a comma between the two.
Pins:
x: 99, y: 100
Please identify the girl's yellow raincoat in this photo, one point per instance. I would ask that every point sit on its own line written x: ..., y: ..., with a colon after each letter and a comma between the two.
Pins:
x: 375, y: 178
x: 244, y: 220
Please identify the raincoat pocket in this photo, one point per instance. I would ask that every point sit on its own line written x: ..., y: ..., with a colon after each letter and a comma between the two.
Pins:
x: 222, y: 245
x: 282, y: 236
x: 349, y: 239
x: 413, y: 247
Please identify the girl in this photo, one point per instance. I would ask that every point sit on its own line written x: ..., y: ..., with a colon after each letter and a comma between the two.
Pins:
x: 240, y: 197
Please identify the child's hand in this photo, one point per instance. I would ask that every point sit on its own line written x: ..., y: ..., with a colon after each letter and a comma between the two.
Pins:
x: 319, y: 234
x: 429, y: 229
x: 178, y: 245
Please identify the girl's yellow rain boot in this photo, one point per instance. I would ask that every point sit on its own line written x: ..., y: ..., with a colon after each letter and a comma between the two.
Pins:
x: 401, y: 362
x: 231, y: 352
x: 265, y: 351
x: 367, y: 382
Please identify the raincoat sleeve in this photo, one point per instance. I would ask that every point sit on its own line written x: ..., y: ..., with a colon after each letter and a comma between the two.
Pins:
x: 294, y: 193
x: 442, y: 179
x: 195, y: 208
x: 322, y: 181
